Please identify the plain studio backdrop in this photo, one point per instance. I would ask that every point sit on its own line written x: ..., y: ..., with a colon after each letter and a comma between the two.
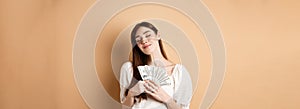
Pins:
x: 261, y: 39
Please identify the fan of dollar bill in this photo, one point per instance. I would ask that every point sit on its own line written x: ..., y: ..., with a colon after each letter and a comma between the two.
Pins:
x: 155, y: 74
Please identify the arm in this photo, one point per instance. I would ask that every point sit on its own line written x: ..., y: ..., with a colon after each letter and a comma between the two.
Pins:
x: 137, y: 89
x: 171, y: 104
x: 160, y: 95
x: 129, y: 99
x: 183, y: 87
x: 126, y: 96
x: 183, y: 91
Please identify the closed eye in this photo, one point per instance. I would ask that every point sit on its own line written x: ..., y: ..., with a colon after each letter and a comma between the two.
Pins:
x: 148, y: 35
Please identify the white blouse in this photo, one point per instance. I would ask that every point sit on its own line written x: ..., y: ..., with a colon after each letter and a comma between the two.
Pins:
x: 180, y: 89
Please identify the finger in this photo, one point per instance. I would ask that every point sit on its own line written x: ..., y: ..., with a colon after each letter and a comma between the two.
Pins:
x: 150, y: 92
x: 149, y: 88
x: 141, y: 89
x: 152, y: 85
x: 153, y: 95
x: 141, y: 85
x: 141, y: 82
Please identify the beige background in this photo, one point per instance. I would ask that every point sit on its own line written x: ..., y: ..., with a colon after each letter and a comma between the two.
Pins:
x: 36, y: 40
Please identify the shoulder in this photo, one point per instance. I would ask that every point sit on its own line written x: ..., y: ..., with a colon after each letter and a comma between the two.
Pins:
x: 126, y: 74
x: 126, y: 65
x: 181, y: 70
x: 126, y: 71
x: 179, y: 67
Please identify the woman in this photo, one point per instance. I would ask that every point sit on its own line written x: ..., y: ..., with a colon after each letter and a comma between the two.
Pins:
x: 137, y: 93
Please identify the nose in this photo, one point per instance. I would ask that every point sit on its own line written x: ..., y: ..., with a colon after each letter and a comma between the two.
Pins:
x: 144, y: 40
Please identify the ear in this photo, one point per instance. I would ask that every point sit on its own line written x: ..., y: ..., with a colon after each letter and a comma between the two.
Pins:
x: 158, y: 36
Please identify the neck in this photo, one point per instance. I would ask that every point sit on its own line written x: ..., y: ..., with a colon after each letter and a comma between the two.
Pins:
x: 158, y: 59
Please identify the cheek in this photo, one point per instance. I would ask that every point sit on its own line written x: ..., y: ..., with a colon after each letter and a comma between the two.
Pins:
x: 155, y: 43
x: 140, y: 46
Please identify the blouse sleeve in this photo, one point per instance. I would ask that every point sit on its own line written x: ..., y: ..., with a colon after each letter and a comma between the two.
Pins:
x: 183, y: 88
x: 125, y: 79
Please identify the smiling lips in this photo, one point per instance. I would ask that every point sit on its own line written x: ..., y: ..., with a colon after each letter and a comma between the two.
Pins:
x: 146, y: 46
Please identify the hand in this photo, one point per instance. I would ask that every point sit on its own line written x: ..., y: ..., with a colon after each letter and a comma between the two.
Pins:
x: 156, y: 91
x: 137, y: 89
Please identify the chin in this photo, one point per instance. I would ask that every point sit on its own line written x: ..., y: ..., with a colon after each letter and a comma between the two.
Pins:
x: 147, y: 53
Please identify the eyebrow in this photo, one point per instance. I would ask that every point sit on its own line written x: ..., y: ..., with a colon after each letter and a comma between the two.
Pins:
x: 143, y: 33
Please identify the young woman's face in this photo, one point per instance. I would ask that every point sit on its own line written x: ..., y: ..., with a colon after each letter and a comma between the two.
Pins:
x: 146, y: 40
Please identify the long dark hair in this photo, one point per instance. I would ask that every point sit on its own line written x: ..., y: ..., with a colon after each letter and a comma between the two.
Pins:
x: 139, y: 58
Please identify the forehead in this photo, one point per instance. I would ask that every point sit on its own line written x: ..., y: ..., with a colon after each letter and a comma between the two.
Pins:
x: 142, y: 30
